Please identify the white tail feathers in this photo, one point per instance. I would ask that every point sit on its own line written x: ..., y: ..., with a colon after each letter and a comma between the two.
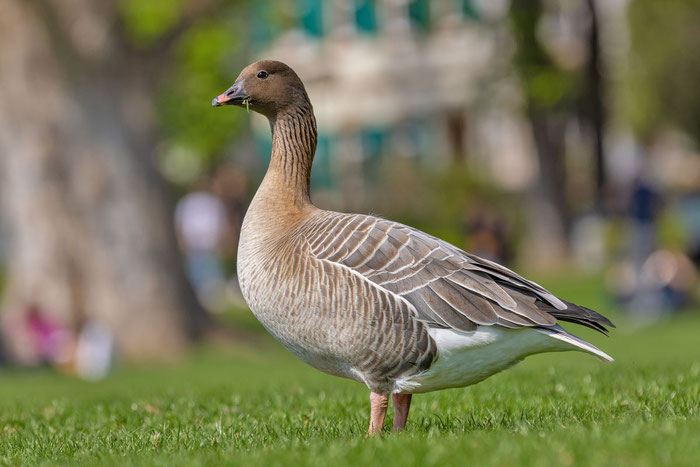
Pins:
x: 559, y: 333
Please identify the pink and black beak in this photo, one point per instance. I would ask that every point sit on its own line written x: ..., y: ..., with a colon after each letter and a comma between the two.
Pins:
x: 233, y: 95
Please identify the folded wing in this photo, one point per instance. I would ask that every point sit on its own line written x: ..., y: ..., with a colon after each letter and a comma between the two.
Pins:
x: 448, y: 287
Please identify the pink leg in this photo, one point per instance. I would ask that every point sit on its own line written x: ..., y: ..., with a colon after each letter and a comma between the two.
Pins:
x: 402, y: 403
x: 379, y: 404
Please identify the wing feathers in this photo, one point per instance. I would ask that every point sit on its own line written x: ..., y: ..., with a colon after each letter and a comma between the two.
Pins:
x: 447, y: 286
x: 485, y: 287
x: 472, y: 306
x: 447, y: 314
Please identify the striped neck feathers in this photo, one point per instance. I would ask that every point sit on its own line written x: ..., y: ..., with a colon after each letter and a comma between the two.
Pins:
x: 294, y: 138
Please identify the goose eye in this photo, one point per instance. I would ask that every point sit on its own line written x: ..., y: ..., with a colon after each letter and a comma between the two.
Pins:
x: 262, y: 75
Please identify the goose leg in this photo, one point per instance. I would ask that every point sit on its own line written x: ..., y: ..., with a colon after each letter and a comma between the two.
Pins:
x: 402, y: 404
x: 379, y: 404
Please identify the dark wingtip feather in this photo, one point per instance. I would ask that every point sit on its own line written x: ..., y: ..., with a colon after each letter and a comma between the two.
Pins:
x: 589, y: 324
x: 579, y: 315
x: 600, y: 318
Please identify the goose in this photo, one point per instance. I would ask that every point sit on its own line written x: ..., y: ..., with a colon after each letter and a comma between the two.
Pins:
x: 376, y: 301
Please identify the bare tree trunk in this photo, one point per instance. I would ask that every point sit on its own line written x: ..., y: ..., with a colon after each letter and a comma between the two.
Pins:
x: 550, y: 212
x: 594, y: 100
x: 90, y: 234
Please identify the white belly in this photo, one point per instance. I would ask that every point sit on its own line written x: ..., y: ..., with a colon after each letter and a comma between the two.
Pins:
x: 466, y: 358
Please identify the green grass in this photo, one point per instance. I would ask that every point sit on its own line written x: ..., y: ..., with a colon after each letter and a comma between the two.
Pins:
x: 261, y: 406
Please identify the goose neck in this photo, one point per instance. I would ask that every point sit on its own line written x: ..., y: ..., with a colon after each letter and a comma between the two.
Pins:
x: 294, y: 138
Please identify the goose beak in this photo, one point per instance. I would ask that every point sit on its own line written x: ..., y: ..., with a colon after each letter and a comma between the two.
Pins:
x: 233, y: 95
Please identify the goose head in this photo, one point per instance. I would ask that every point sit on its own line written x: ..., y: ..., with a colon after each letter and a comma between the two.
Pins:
x: 268, y: 87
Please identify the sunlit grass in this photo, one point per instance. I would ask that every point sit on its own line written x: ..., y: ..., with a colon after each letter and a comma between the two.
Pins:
x: 261, y: 406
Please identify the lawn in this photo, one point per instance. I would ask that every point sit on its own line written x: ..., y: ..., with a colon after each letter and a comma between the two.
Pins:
x: 260, y: 406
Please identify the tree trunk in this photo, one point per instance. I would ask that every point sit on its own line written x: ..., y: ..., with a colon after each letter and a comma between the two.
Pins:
x: 89, y: 224
x: 594, y: 104
x: 550, y: 212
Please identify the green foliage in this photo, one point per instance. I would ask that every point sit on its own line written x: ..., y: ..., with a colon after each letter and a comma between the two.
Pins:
x: 661, y: 80
x: 546, y: 85
x: 201, y: 62
x: 147, y: 21
x: 671, y: 231
x: 263, y: 407
x: 207, y: 62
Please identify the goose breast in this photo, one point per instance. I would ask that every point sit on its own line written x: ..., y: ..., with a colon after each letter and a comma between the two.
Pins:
x: 329, y: 315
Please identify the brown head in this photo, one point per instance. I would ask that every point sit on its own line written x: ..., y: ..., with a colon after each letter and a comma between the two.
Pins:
x: 268, y: 86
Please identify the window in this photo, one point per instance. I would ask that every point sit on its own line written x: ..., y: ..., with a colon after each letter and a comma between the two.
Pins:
x: 373, y: 146
x: 311, y: 17
x: 419, y: 13
x: 322, y: 175
x: 264, y: 24
x: 468, y: 9
x: 366, y: 16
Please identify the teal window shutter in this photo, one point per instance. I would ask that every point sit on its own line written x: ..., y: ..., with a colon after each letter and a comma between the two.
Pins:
x: 263, y: 25
x: 419, y: 13
x: 311, y: 17
x: 366, y: 16
x: 322, y: 173
x: 468, y: 9
x: 373, y: 142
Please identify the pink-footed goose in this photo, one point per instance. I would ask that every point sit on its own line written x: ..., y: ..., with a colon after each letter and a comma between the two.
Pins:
x: 370, y: 299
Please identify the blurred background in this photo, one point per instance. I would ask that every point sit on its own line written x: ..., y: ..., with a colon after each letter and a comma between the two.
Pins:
x: 558, y: 137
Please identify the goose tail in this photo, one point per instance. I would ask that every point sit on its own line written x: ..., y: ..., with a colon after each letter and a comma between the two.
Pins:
x: 559, y: 333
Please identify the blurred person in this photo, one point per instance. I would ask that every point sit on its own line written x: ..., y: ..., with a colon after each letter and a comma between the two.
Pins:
x: 94, y: 351
x: 663, y: 284
x: 672, y: 274
x: 41, y: 339
x: 200, y: 220
x: 45, y: 340
x: 642, y: 211
x: 46, y: 334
